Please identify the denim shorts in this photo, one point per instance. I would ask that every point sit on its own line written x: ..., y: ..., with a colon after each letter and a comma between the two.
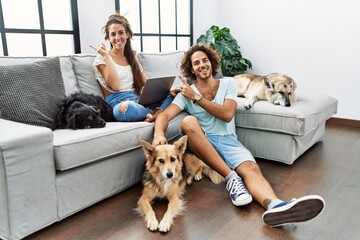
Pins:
x: 231, y: 150
x: 135, y: 111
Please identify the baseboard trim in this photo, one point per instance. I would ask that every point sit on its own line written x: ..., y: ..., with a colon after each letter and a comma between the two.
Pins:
x: 343, y: 122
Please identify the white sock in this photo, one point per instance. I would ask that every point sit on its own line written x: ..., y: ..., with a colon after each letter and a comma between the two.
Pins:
x: 231, y: 175
x: 274, y: 202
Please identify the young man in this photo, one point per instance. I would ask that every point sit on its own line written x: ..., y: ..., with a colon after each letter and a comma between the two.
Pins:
x: 210, y: 127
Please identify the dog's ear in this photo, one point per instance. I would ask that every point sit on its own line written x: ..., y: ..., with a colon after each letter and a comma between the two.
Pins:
x: 181, y: 144
x: 293, y: 94
x: 72, y: 122
x: 147, y: 148
x: 268, y: 84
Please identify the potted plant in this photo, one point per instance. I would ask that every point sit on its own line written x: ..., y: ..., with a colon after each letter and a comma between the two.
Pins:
x: 232, y: 62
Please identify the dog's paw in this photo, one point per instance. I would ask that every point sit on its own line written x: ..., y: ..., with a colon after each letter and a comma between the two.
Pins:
x: 165, y: 225
x: 248, y: 106
x: 152, y: 225
x: 276, y: 102
x: 189, y: 180
x: 198, y: 176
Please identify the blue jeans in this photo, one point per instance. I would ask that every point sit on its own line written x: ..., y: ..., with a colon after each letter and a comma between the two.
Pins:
x: 231, y: 150
x: 135, y: 111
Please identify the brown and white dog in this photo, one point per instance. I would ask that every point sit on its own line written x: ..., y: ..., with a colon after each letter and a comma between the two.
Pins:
x: 165, y: 177
x: 195, y: 169
x: 276, y: 88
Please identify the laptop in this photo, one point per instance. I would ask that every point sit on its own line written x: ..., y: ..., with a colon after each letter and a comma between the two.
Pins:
x: 156, y: 89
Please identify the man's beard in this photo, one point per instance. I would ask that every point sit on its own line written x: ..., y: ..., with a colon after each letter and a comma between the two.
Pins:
x: 202, y: 77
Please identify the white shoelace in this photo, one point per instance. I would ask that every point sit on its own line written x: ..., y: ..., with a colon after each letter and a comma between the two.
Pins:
x: 236, y: 186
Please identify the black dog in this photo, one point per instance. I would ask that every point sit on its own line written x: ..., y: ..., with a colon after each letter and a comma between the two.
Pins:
x: 82, y: 110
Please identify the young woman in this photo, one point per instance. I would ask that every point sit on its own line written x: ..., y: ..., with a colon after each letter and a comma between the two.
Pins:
x: 120, y: 75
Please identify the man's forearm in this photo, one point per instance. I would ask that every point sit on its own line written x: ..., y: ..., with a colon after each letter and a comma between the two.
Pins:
x: 223, y: 112
x: 160, y: 126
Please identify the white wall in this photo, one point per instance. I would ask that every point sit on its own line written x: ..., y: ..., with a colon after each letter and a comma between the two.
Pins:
x: 93, y: 15
x: 206, y: 14
x: 315, y: 42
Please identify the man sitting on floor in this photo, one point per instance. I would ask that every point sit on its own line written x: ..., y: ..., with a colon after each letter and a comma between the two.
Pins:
x: 210, y: 128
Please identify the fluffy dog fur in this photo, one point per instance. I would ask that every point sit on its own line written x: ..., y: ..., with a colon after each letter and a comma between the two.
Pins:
x: 165, y: 177
x: 82, y: 110
x: 276, y: 88
x: 195, y: 169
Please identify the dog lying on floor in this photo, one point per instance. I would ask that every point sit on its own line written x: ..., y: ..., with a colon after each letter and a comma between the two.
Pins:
x: 195, y: 169
x: 165, y: 177
x: 276, y: 88
x: 82, y: 110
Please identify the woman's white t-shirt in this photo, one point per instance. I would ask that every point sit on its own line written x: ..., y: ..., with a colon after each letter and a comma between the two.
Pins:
x: 124, y: 73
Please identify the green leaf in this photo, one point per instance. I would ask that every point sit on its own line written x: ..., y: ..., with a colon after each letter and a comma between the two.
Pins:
x: 226, y: 45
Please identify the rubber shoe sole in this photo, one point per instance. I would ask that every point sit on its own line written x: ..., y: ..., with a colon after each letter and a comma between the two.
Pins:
x: 300, y: 210
x: 242, y: 200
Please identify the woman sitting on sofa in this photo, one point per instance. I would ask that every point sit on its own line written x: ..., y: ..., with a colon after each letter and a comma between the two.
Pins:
x: 120, y: 75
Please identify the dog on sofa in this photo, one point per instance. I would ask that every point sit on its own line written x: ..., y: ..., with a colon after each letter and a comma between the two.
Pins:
x: 276, y: 88
x: 82, y: 110
x: 168, y: 169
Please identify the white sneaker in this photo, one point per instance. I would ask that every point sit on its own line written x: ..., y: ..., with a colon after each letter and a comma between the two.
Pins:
x: 237, y: 191
x: 297, y: 210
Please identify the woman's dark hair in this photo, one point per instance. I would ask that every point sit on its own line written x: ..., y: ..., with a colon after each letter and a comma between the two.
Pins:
x: 213, y: 56
x: 129, y: 53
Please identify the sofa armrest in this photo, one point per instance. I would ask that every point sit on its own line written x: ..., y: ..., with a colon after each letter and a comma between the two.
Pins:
x: 27, y: 179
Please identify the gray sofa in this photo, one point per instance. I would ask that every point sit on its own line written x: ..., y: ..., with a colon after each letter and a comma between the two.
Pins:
x: 46, y: 176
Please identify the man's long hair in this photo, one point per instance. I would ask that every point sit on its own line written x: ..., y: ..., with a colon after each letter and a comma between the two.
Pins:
x: 214, y: 57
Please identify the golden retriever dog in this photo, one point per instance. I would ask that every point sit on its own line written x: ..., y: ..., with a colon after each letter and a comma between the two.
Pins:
x: 276, y: 88
x: 165, y: 177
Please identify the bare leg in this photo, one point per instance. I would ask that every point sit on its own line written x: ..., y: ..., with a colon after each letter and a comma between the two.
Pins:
x: 255, y: 182
x: 152, y: 117
x: 124, y: 106
x: 202, y: 147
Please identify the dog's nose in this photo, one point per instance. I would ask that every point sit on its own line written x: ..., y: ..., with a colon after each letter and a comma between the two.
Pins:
x: 169, y: 174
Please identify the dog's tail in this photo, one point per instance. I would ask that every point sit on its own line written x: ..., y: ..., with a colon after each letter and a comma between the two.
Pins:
x: 214, y: 176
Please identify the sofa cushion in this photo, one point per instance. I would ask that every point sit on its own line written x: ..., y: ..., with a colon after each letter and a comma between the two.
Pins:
x: 73, y: 148
x: 161, y: 64
x: 67, y: 71
x: 85, y: 73
x: 306, y: 114
x: 30, y: 93
x: 276, y: 146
